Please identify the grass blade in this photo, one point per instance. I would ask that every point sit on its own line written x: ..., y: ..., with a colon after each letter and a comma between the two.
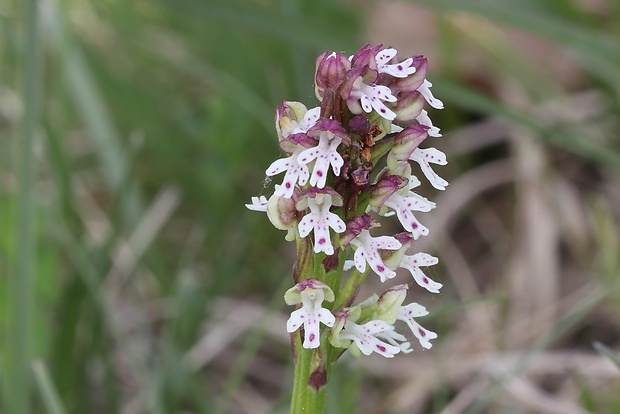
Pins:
x: 615, y: 358
x: 21, y: 280
x: 50, y: 397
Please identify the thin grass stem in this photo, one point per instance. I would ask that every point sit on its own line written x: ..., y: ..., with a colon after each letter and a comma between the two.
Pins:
x: 21, y: 280
x: 46, y: 387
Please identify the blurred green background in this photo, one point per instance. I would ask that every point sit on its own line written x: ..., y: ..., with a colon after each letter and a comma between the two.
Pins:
x: 135, y: 281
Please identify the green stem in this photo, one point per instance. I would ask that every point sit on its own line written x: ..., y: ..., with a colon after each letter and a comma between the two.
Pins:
x: 310, y: 381
x: 311, y: 375
x: 350, y: 288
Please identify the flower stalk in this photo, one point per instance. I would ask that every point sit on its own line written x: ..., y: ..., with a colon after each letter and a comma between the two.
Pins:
x: 349, y: 166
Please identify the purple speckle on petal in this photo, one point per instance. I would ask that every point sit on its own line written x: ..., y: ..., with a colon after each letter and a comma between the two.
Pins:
x: 312, y: 336
x: 322, y: 241
x: 414, y: 225
x: 425, y: 280
x: 380, y: 268
x: 422, y: 333
x: 381, y: 348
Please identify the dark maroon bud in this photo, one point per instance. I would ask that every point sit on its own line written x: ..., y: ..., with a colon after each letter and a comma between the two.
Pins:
x: 331, y: 262
x: 359, y: 125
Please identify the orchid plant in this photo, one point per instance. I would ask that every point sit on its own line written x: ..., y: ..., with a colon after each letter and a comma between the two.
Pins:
x: 347, y: 168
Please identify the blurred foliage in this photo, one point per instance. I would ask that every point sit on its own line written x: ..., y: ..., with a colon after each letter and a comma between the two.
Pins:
x: 154, y: 126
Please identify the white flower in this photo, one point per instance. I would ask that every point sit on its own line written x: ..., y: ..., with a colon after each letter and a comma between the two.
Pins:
x: 396, y: 339
x: 398, y: 70
x: 288, y: 125
x: 370, y: 98
x: 366, y: 337
x: 424, y: 119
x: 367, y: 252
x: 326, y: 154
x: 320, y: 219
x: 311, y: 296
x: 425, y: 90
x: 295, y: 173
x: 413, y: 263
x: 404, y: 205
x: 258, y: 204
x: 307, y: 122
x: 407, y: 315
x: 430, y: 155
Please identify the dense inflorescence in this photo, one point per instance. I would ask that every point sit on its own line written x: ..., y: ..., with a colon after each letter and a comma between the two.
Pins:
x: 347, y: 166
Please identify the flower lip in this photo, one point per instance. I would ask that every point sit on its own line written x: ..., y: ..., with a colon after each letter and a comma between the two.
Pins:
x: 295, y: 173
x: 258, y: 204
x: 367, y: 253
x: 366, y: 337
x: 397, y: 69
x: 319, y: 220
x: 362, y: 94
x: 408, y: 314
x: 424, y: 157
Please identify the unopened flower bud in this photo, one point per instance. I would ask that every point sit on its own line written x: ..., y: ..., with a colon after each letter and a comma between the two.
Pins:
x: 331, y: 69
x: 409, y: 106
x: 405, y: 144
x: 390, y: 302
